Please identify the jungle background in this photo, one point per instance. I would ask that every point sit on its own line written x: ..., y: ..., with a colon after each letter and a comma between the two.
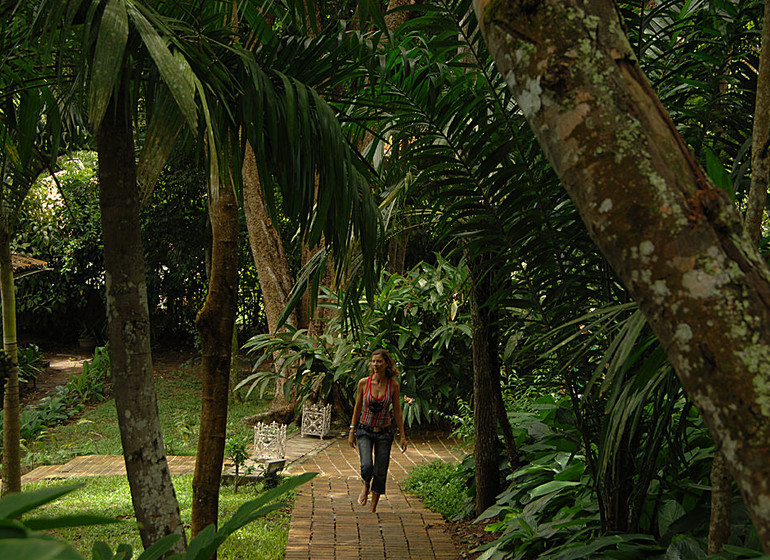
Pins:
x: 452, y: 232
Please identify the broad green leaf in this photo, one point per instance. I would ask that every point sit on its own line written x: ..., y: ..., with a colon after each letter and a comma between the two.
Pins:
x: 717, y: 172
x: 14, y: 505
x: 160, y: 548
x: 553, y: 486
x: 108, y: 59
x: 162, y: 131
x: 37, y: 548
x: 174, y: 70
x: 684, y: 547
x: 670, y: 512
x: 101, y: 551
x: 82, y: 520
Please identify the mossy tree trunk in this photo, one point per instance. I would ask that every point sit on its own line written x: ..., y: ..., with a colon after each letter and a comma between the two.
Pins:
x: 128, y: 327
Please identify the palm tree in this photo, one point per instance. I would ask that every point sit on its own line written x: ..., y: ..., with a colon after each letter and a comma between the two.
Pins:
x: 196, y: 67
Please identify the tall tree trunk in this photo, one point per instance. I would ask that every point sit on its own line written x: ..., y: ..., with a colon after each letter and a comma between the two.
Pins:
x: 11, y: 411
x: 128, y: 327
x: 485, y: 364
x: 275, y: 279
x: 502, y: 419
x: 315, y: 320
x: 673, y: 238
x: 721, y: 504
x: 760, y: 142
x: 215, y: 324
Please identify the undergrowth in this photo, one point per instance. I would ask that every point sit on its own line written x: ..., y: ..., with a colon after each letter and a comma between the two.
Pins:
x: 441, y: 486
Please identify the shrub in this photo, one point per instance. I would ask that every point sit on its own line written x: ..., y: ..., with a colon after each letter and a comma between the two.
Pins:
x: 93, y: 382
x: 441, y: 486
x: 31, y: 363
x: 67, y: 401
x: 422, y: 318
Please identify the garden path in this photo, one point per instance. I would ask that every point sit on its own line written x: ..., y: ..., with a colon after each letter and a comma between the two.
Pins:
x: 327, y: 522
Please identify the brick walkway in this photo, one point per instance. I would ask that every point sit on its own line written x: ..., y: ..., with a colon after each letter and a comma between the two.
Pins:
x: 327, y: 523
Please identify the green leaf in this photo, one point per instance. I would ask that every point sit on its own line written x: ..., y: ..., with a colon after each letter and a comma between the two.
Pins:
x: 670, y: 512
x: 108, y: 59
x: 14, y: 505
x: 100, y: 551
x: 684, y: 547
x: 174, y: 70
x: 574, y: 472
x: 160, y: 548
x: 37, y: 548
x: 553, y: 486
x: 163, y: 128
x: 206, y: 542
x: 81, y: 520
x: 717, y: 172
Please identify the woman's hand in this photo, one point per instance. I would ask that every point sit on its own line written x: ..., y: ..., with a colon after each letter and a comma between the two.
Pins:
x: 352, y: 438
x: 402, y: 444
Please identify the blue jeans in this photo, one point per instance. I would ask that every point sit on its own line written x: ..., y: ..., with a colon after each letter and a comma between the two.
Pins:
x: 375, y: 471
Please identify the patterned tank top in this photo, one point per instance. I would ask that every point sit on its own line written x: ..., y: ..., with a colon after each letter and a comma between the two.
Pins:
x: 376, y: 412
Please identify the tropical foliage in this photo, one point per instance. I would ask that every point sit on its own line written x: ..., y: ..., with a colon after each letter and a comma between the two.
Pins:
x: 615, y: 459
x: 421, y: 316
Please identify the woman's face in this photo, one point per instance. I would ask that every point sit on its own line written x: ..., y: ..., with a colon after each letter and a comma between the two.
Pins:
x: 378, y: 363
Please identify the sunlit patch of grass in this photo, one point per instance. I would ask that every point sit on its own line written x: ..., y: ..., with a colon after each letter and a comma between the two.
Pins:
x: 264, y: 539
x: 96, y: 431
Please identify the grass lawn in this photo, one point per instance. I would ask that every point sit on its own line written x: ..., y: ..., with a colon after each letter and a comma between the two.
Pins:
x: 264, y: 539
x: 95, y: 432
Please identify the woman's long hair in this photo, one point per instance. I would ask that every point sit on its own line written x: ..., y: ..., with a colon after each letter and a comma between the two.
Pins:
x: 391, y: 370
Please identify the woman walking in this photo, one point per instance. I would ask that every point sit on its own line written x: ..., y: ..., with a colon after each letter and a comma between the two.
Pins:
x: 372, y: 426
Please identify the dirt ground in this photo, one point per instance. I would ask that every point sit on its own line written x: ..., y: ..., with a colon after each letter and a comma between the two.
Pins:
x: 60, y: 367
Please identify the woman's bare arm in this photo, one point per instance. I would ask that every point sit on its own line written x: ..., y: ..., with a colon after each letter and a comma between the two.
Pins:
x: 398, y: 415
x: 357, y: 411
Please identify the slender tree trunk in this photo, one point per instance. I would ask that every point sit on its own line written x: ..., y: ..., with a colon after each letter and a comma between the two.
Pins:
x: 485, y: 364
x: 11, y: 410
x: 275, y: 279
x: 315, y: 320
x: 397, y: 253
x: 502, y: 419
x: 721, y: 504
x: 760, y: 143
x: 674, y: 239
x: 215, y: 324
x: 128, y: 327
